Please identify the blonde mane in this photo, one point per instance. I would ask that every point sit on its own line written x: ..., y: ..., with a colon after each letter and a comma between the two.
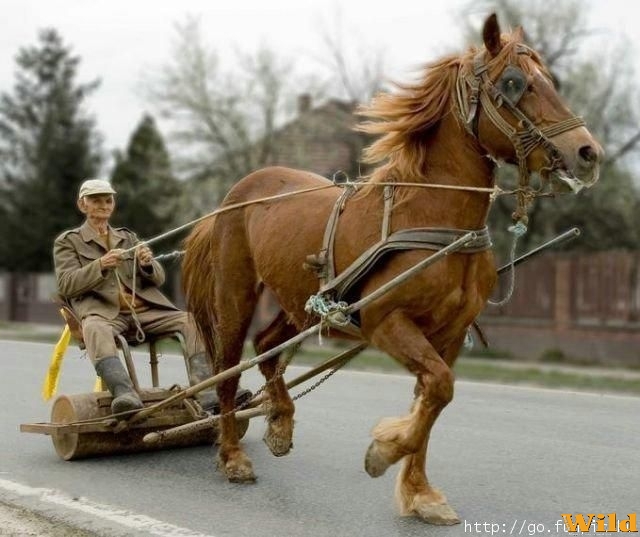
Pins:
x: 405, y: 119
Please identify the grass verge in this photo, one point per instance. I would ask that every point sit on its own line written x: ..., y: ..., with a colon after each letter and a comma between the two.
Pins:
x: 466, y: 368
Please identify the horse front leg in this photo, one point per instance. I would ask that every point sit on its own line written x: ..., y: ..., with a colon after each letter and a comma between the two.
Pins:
x: 407, y: 437
x: 413, y: 494
x: 280, y: 408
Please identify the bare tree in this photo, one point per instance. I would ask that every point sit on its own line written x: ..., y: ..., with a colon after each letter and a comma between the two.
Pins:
x: 355, y: 67
x: 222, y: 119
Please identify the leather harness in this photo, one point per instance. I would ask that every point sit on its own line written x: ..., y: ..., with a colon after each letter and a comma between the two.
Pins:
x: 338, y: 286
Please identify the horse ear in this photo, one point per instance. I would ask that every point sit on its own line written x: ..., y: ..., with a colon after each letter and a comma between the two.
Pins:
x: 491, y: 35
x: 518, y: 33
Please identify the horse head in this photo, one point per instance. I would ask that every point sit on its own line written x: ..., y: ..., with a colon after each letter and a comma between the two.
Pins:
x: 508, y: 103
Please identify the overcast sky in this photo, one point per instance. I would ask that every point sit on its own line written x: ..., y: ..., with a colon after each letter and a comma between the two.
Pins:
x: 118, y: 40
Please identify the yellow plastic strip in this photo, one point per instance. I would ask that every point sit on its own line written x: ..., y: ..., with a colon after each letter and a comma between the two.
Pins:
x: 50, y: 384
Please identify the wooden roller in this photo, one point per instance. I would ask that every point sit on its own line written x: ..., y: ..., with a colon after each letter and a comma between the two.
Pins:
x: 81, y: 426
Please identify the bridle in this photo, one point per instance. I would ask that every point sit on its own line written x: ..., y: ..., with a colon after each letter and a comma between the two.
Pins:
x: 476, y: 89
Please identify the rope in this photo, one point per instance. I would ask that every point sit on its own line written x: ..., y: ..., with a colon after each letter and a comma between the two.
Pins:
x: 518, y: 230
x: 226, y: 209
x: 494, y: 192
x: 140, y: 335
x: 171, y: 255
x: 468, y: 340
x: 331, y: 313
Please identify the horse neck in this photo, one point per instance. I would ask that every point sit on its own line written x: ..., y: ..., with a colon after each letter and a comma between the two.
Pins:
x: 452, y: 158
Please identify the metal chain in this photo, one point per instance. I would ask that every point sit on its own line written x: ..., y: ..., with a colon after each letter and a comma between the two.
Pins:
x: 316, y: 384
x: 279, y: 373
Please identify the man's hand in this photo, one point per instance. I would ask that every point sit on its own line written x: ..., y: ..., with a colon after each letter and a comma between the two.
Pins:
x: 145, y: 256
x: 111, y: 259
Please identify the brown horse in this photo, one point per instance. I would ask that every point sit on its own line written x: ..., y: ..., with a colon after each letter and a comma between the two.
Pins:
x: 493, y: 103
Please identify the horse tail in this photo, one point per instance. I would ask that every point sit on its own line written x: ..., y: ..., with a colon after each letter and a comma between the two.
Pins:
x: 199, y: 285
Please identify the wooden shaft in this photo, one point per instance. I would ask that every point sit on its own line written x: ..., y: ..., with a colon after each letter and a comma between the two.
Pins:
x: 567, y: 235
x: 224, y: 375
x: 248, y: 364
x: 335, y: 361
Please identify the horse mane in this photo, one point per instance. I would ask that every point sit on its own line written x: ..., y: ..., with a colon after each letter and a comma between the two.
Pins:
x: 405, y: 120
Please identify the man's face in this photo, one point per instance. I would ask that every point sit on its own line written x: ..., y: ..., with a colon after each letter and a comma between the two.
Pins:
x: 97, y: 207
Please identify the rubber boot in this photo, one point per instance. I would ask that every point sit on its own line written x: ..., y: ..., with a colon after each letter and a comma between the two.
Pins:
x: 119, y: 383
x: 199, y: 369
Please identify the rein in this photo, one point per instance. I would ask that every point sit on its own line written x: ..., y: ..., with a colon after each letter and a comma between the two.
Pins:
x: 471, y: 91
x: 493, y: 192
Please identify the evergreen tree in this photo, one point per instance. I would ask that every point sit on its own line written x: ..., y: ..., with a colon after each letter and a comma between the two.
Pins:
x: 148, y: 193
x: 48, y: 145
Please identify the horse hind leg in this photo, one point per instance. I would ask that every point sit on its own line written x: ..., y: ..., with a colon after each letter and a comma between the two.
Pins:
x: 280, y: 408
x: 232, y: 460
x: 234, y: 317
x: 407, y: 437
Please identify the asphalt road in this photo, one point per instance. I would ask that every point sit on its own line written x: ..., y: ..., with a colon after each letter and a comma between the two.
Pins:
x: 510, y: 460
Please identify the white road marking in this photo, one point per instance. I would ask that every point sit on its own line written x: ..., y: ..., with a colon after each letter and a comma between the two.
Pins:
x: 129, y: 519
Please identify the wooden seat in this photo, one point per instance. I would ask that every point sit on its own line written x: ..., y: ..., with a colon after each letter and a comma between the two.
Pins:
x: 124, y: 342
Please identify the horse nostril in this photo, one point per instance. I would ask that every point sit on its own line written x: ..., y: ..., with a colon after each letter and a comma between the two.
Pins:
x: 588, y: 153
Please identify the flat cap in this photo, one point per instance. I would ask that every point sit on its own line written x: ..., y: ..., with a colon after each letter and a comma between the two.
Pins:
x: 95, y: 186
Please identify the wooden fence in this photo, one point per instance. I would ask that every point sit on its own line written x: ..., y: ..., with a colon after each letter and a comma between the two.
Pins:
x: 582, y: 307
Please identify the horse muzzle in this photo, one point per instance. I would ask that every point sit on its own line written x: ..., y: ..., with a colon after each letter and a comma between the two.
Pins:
x: 581, y: 171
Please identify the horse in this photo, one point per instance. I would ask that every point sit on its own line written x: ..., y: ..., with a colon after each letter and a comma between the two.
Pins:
x: 439, y: 140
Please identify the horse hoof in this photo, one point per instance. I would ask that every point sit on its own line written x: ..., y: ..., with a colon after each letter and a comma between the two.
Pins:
x: 240, y: 477
x: 238, y: 471
x: 439, y: 514
x: 239, y: 474
x: 374, y: 463
x: 278, y: 445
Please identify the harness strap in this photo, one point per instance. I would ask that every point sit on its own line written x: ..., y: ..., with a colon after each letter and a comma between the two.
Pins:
x: 337, y: 286
x: 322, y: 263
x: 483, y: 91
x: 330, y: 234
x: 406, y: 239
x: 389, y: 192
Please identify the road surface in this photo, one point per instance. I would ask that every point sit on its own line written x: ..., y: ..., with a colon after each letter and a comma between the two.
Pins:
x: 510, y: 459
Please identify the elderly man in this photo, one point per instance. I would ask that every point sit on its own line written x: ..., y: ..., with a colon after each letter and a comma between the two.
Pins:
x: 113, y: 291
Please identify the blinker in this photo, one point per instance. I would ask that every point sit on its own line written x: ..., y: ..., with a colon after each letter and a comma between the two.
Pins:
x: 512, y: 84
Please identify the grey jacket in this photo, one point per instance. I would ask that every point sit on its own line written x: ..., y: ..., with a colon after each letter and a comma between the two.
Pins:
x: 90, y: 290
